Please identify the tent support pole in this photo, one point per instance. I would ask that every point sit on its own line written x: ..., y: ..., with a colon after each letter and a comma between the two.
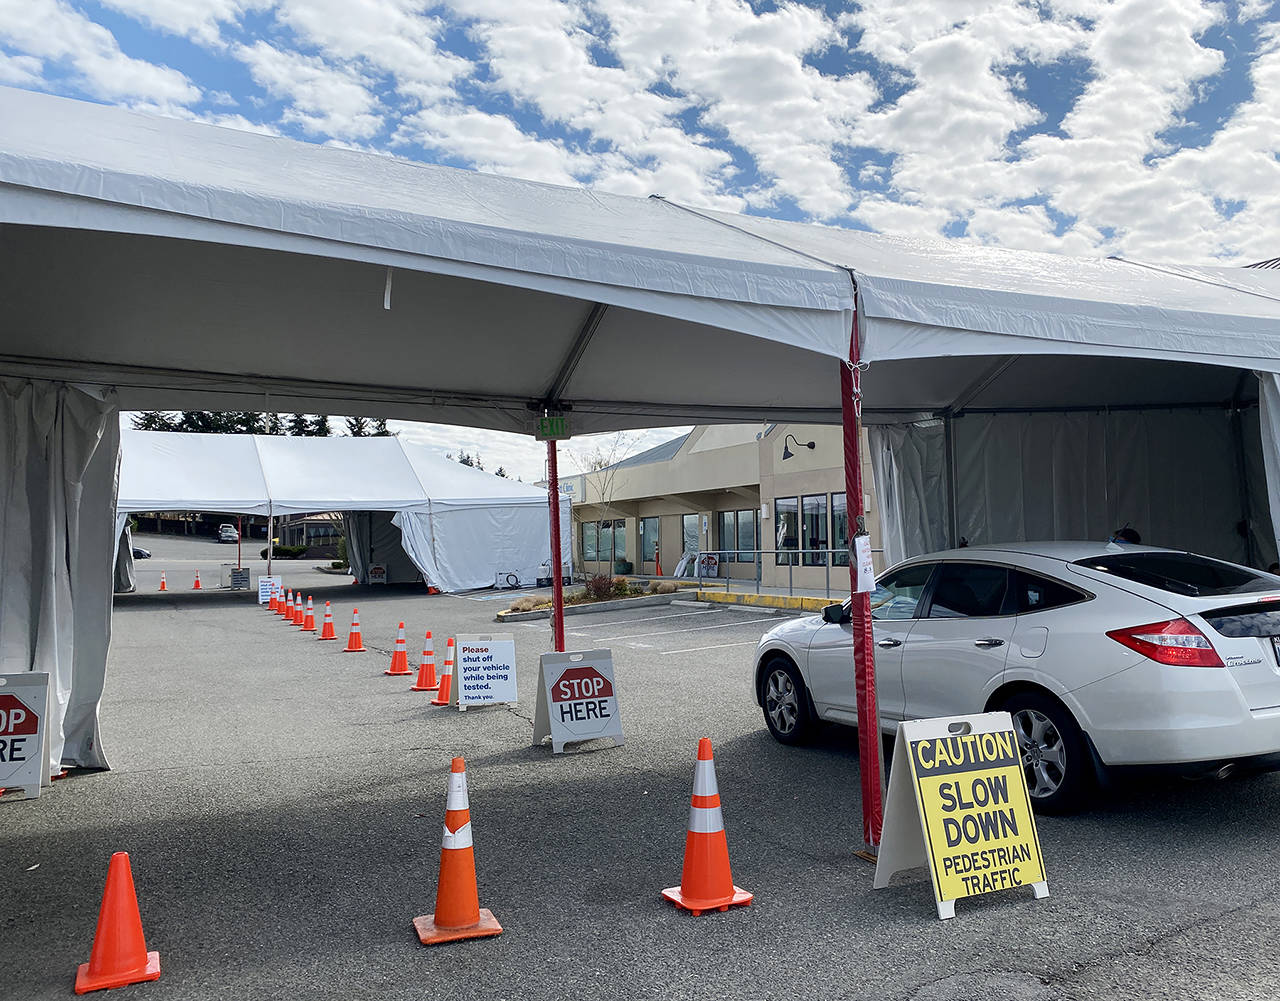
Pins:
x: 557, y: 572
x: 860, y: 604
x: 949, y: 445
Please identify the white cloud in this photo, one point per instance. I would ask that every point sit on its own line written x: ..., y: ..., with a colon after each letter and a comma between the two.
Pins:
x: 52, y: 31
x: 20, y: 71
x: 324, y: 99
x: 199, y: 20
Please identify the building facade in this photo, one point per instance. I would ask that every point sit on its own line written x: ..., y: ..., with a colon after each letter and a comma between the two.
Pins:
x: 746, y: 501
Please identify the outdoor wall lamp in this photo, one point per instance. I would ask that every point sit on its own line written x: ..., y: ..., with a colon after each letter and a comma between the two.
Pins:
x: 786, y: 449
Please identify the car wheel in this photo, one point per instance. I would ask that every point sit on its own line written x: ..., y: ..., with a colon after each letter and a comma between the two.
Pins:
x: 786, y: 703
x: 1053, y: 752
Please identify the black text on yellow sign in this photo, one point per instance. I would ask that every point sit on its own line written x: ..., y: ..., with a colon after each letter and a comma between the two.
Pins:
x: 978, y: 825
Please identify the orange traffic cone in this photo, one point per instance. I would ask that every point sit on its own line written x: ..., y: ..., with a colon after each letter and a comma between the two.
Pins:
x: 119, y: 954
x: 326, y: 628
x: 163, y: 585
x: 309, y: 620
x: 457, y: 914
x: 446, y: 679
x: 354, y: 644
x: 274, y: 604
x: 427, y: 669
x: 286, y: 612
x: 299, y: 613
x: 399, y: 659
x: 196, y: 585
x: 706, y: 883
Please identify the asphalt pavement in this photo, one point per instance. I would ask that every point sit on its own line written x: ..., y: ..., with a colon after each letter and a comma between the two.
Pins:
x: 282, y: 804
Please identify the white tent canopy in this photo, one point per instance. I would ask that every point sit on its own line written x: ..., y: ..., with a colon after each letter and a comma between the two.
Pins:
x: 460, y: 525
x: 181, y: 265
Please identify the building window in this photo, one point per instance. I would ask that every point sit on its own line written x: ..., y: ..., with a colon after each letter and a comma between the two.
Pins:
x: 589, y: 542
x: 747, y: 543
x: 839, y: 530
x: 814, y: 526
x: 689, y: 529
x: 604, y: 541
x: 648, y: 539
x: 786, y: 520
x: 727, y: 535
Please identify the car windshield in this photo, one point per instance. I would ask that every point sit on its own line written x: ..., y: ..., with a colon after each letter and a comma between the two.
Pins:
x: 1183, y: 573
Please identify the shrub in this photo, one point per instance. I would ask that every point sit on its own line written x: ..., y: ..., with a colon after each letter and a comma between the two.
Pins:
x: 527, y: 604
x: 342, y: 553
x: 664, y: 587
x: 285, y: 552
x: 621, y: 587
x: 599, y: 587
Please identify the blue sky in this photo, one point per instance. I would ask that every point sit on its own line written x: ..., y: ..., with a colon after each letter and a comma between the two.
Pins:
x: 1149, y: 128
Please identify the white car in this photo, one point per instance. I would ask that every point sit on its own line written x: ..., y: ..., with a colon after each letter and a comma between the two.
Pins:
x: 228, y: 533
x: 1107, y: 655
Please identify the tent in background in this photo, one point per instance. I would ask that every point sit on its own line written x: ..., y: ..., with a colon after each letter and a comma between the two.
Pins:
x: 459, y: 527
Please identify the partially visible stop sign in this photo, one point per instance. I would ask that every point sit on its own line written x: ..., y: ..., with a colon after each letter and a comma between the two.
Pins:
x: 17, y: 718
x: 576, y: 699
x: 23, y: 698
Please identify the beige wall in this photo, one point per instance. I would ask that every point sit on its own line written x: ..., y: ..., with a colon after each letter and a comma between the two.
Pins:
x: 729, y: 468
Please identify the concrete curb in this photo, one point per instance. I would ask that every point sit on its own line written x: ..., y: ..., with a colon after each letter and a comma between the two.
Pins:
x: 788, y: 602
x: 595, y: 606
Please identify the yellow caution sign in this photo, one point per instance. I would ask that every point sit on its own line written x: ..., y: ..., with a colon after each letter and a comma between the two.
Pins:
x: 958, y: 802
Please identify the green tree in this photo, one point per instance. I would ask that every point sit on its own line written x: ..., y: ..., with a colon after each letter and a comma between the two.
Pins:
x: 320, y: 426
x: 357, y: 427
x: 501, y: 472
x: 153, y: 420
x: 380, y: 428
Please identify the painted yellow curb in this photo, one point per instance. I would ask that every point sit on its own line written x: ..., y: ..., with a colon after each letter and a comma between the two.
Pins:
x: 795, y: 603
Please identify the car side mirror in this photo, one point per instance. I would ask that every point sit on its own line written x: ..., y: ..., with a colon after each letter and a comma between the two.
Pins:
x: 835, y: 614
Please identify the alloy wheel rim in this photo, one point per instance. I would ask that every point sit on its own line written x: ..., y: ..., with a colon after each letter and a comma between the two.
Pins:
x: 780, y: 702
x: 1044, y: 755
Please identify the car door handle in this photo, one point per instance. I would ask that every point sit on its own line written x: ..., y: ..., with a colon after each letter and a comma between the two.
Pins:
x: 887, y: 644
x: 990, y: 641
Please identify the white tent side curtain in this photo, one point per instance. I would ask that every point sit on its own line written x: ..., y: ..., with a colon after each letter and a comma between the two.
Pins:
x: 59, y: 448
x: 1185, y: 478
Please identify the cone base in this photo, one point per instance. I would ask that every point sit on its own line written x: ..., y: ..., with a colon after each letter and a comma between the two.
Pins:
x: 740, y: 898
x: 354, y: 649
x: 86, y: 983
x: 430, y: 934
x: 328, y: 637
x: 424, y: 688
x: 398, y: 674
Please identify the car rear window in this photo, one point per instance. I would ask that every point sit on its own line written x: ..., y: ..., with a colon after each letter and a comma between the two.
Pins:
x: 1183, y: 573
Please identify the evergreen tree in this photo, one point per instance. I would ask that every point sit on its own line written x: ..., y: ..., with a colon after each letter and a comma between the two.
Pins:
x: 320, y: 426
x: 380, y: 427
x: 153, y: 420
x: 274, y: 424
x: 357, y: 427
x: 501, y: 472
x: 299, y: 425
x: 466, y: 460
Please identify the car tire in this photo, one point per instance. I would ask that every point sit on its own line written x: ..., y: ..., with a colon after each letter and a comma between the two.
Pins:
x: 786, y: 702
x: 1054, y: 757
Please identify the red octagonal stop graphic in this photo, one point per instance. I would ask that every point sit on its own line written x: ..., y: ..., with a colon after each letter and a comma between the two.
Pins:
x: 16, y: 718
x: 581, y: 683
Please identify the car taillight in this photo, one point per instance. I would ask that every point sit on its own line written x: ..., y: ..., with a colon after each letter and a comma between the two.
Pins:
x: 1175, y: 642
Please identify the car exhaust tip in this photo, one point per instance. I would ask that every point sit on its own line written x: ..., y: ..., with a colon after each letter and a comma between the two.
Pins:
x: 1225, y: 771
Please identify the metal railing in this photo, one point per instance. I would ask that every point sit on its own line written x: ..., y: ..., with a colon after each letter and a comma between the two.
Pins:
x: 790, y: 558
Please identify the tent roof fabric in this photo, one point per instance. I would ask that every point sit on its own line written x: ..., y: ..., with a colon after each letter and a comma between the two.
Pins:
x: 276, y: 474
x: 225, y: 270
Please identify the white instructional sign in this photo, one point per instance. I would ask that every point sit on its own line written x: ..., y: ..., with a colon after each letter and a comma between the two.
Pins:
x: 486, y: 669
x: 377, y: 574
x: 576, y: 699
x: 265, y: 585
x: 24, y: 699
x: 866, y: 570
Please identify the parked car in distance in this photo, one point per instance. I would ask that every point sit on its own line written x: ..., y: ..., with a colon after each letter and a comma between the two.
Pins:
x: 228, y: 533
x: 1106, y: 655
x: 141, y: 554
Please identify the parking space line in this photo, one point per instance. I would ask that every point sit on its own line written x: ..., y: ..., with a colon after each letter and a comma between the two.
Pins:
x: 647, y: 618
x: 718, y: 646
x: 690, y: 629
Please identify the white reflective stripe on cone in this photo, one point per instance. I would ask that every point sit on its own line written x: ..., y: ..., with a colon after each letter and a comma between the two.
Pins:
x: 705, y: 820
x: 457, y: 792
x: 461, y: 838
x: 704, y: 779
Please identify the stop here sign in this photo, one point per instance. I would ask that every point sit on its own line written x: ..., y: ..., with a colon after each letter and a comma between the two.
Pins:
x: 22, y: 710
x: 576, y: 699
